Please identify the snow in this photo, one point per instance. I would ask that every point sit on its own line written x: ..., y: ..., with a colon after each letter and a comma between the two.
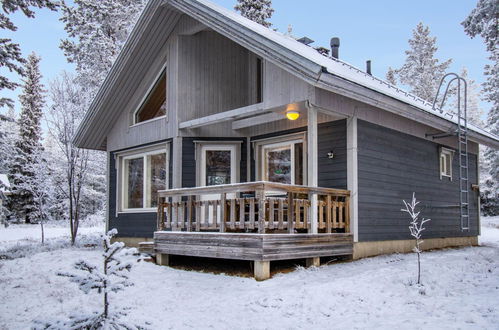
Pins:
x: 461, y: 290
x: 338, y: 67
x: 5, y: 181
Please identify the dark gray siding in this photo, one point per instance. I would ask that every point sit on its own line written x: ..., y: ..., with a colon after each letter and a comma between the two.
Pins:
x: 189, y: 158
x: 393, y: 165
x: 331, y: 137
x: 130, y: 224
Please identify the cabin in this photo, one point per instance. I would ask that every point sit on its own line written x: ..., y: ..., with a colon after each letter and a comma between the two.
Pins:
x: 226, y: 139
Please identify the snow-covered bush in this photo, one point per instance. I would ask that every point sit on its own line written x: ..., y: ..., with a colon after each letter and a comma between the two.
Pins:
x: 416, y: 227
x: 111, y: 279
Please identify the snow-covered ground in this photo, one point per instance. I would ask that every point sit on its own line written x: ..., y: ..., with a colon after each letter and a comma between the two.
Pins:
x: 461, y: 291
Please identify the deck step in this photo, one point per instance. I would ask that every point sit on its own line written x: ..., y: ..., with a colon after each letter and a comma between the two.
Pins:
x: 146, y: 247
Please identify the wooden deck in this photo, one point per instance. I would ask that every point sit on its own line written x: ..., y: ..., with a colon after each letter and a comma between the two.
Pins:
x: 256, y: 247
x: 257, y: 221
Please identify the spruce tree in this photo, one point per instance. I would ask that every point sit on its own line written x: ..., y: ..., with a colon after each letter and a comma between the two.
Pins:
x: 421, y: 71
x: 256, y: 10
x: 29, y: 142
x: 484, y: 21
x: 390, y: 76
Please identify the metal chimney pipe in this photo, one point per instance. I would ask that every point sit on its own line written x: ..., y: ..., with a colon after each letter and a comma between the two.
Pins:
x: 368, y: 67
x: 335, y: 45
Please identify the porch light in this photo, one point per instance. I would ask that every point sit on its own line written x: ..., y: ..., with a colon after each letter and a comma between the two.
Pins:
x: 292, y: 114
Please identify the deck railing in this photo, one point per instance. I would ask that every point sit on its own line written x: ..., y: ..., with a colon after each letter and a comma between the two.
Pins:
x: 262, y: 207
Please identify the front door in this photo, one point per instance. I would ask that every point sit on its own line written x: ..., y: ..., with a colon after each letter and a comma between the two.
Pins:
x: 217, y: 166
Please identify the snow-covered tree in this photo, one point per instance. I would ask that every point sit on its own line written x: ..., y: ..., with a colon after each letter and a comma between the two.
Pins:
x: 111, y: 278
x: 40, y: 187
x: 421, y: 71
x: 256, y: 10
x: 9, y: 133
x: 474, y: 111
x: 97, y: 29
x: 64, y: 116
x: 30, y: 131
x: 416, y: 228
x: 10, y: 52
x: 483, y: 21
x: 390, y: 76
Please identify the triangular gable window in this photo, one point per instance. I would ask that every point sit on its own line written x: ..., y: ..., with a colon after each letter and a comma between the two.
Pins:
x: 154, y: 105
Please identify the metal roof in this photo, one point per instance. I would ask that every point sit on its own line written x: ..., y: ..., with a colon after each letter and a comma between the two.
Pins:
x: 299, y: 59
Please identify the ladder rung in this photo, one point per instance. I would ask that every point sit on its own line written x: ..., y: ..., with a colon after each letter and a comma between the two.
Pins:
x: 464, y: 204
x: 464, y: 191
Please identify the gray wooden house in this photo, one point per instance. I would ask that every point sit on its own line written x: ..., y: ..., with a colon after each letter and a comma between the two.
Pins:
x: 226, y: 139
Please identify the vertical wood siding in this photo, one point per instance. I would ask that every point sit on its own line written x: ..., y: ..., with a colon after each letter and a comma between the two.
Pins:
x: 393, y: 165
x: 130, y: 224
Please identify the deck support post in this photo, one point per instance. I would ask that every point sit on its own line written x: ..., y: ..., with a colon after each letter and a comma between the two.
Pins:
x: 313, y: 262
x: 260, y: 197
x: 162, y: 259
x: 312, y: 167
x: 261, y: 270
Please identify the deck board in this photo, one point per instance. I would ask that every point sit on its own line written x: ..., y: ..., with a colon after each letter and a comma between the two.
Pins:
x: 260, y: 247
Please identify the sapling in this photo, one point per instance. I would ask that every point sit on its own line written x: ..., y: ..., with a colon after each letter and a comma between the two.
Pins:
x: 416, y: 227
x: 112, y: 278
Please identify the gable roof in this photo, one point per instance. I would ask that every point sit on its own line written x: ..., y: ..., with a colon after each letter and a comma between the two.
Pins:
x: 301, y: 60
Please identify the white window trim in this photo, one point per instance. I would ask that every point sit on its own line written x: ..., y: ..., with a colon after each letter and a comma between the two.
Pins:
x: 280, y: 141
x: 144, y: 98
x: 121, y: 173
x: 445, y: 152
x: 203, y: 146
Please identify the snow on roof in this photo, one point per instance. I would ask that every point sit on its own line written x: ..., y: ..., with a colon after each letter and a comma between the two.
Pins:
x: 5, y: 182
x: 340, y: 68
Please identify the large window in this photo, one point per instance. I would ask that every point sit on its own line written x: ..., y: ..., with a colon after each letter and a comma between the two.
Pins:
x: 281, y: 160
x: 154, y: 105
x: 143, y: 174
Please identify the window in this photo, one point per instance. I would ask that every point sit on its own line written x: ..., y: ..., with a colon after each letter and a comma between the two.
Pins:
x: 154, y: 105
x: 282, y: 160
x: 446, y: 156
x: 143, y: 174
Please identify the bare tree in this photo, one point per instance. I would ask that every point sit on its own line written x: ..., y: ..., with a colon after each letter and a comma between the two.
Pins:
x: 65, y: 115
x: 416, y: 227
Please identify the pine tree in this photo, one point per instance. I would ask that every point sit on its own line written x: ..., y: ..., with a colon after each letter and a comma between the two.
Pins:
x: 474, y: 111
x: 10, y: 52
x: 484, y: 21
x: 8, y: 138
x: 32, y: 101
x: 421, y: 71
x: 97, y: 29
x: 390, y: 76
x: 256, y: 10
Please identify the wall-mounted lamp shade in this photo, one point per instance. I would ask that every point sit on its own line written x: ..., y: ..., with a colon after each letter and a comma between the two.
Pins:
x: 292, y: 115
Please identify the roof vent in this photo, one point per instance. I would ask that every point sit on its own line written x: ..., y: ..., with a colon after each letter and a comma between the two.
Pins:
x: 368, y: 67
x: 335, y: 45
x: 305, y: 40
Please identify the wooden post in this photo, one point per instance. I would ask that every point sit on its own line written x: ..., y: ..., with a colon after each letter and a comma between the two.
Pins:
x: 189, y: 213
x: 162, y: 259
x: 260, y: 195
x: 223, y: 197
x: 313, y: 262
x: 261, y: 270
x: 291, y: 210
x: 312, y: 159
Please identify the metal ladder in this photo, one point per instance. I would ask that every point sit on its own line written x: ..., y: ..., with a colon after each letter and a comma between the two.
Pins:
x: 462, y: 136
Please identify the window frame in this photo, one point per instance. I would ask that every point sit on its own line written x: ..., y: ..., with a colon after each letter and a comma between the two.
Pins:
x: 147, y: 94
x: 260, y: 147
x: 121, y: 177
x: 443, y: 153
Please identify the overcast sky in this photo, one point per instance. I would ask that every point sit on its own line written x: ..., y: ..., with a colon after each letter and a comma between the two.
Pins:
x: 375, y: 30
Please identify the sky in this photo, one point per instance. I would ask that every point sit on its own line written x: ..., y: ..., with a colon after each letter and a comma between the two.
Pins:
x: 369, y: 30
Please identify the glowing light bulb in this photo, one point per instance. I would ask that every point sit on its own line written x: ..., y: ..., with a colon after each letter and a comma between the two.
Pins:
x: 292, y: 115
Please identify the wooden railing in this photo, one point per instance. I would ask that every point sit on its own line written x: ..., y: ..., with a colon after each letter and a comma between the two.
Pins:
x: 262, y: 207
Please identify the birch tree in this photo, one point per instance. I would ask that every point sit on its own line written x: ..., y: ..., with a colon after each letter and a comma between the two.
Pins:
x: 64, y: 117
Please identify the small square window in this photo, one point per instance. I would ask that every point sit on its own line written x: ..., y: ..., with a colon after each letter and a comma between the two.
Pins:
x: 446, y: 156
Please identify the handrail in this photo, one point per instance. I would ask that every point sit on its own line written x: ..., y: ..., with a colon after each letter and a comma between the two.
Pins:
x: 251, y: 186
